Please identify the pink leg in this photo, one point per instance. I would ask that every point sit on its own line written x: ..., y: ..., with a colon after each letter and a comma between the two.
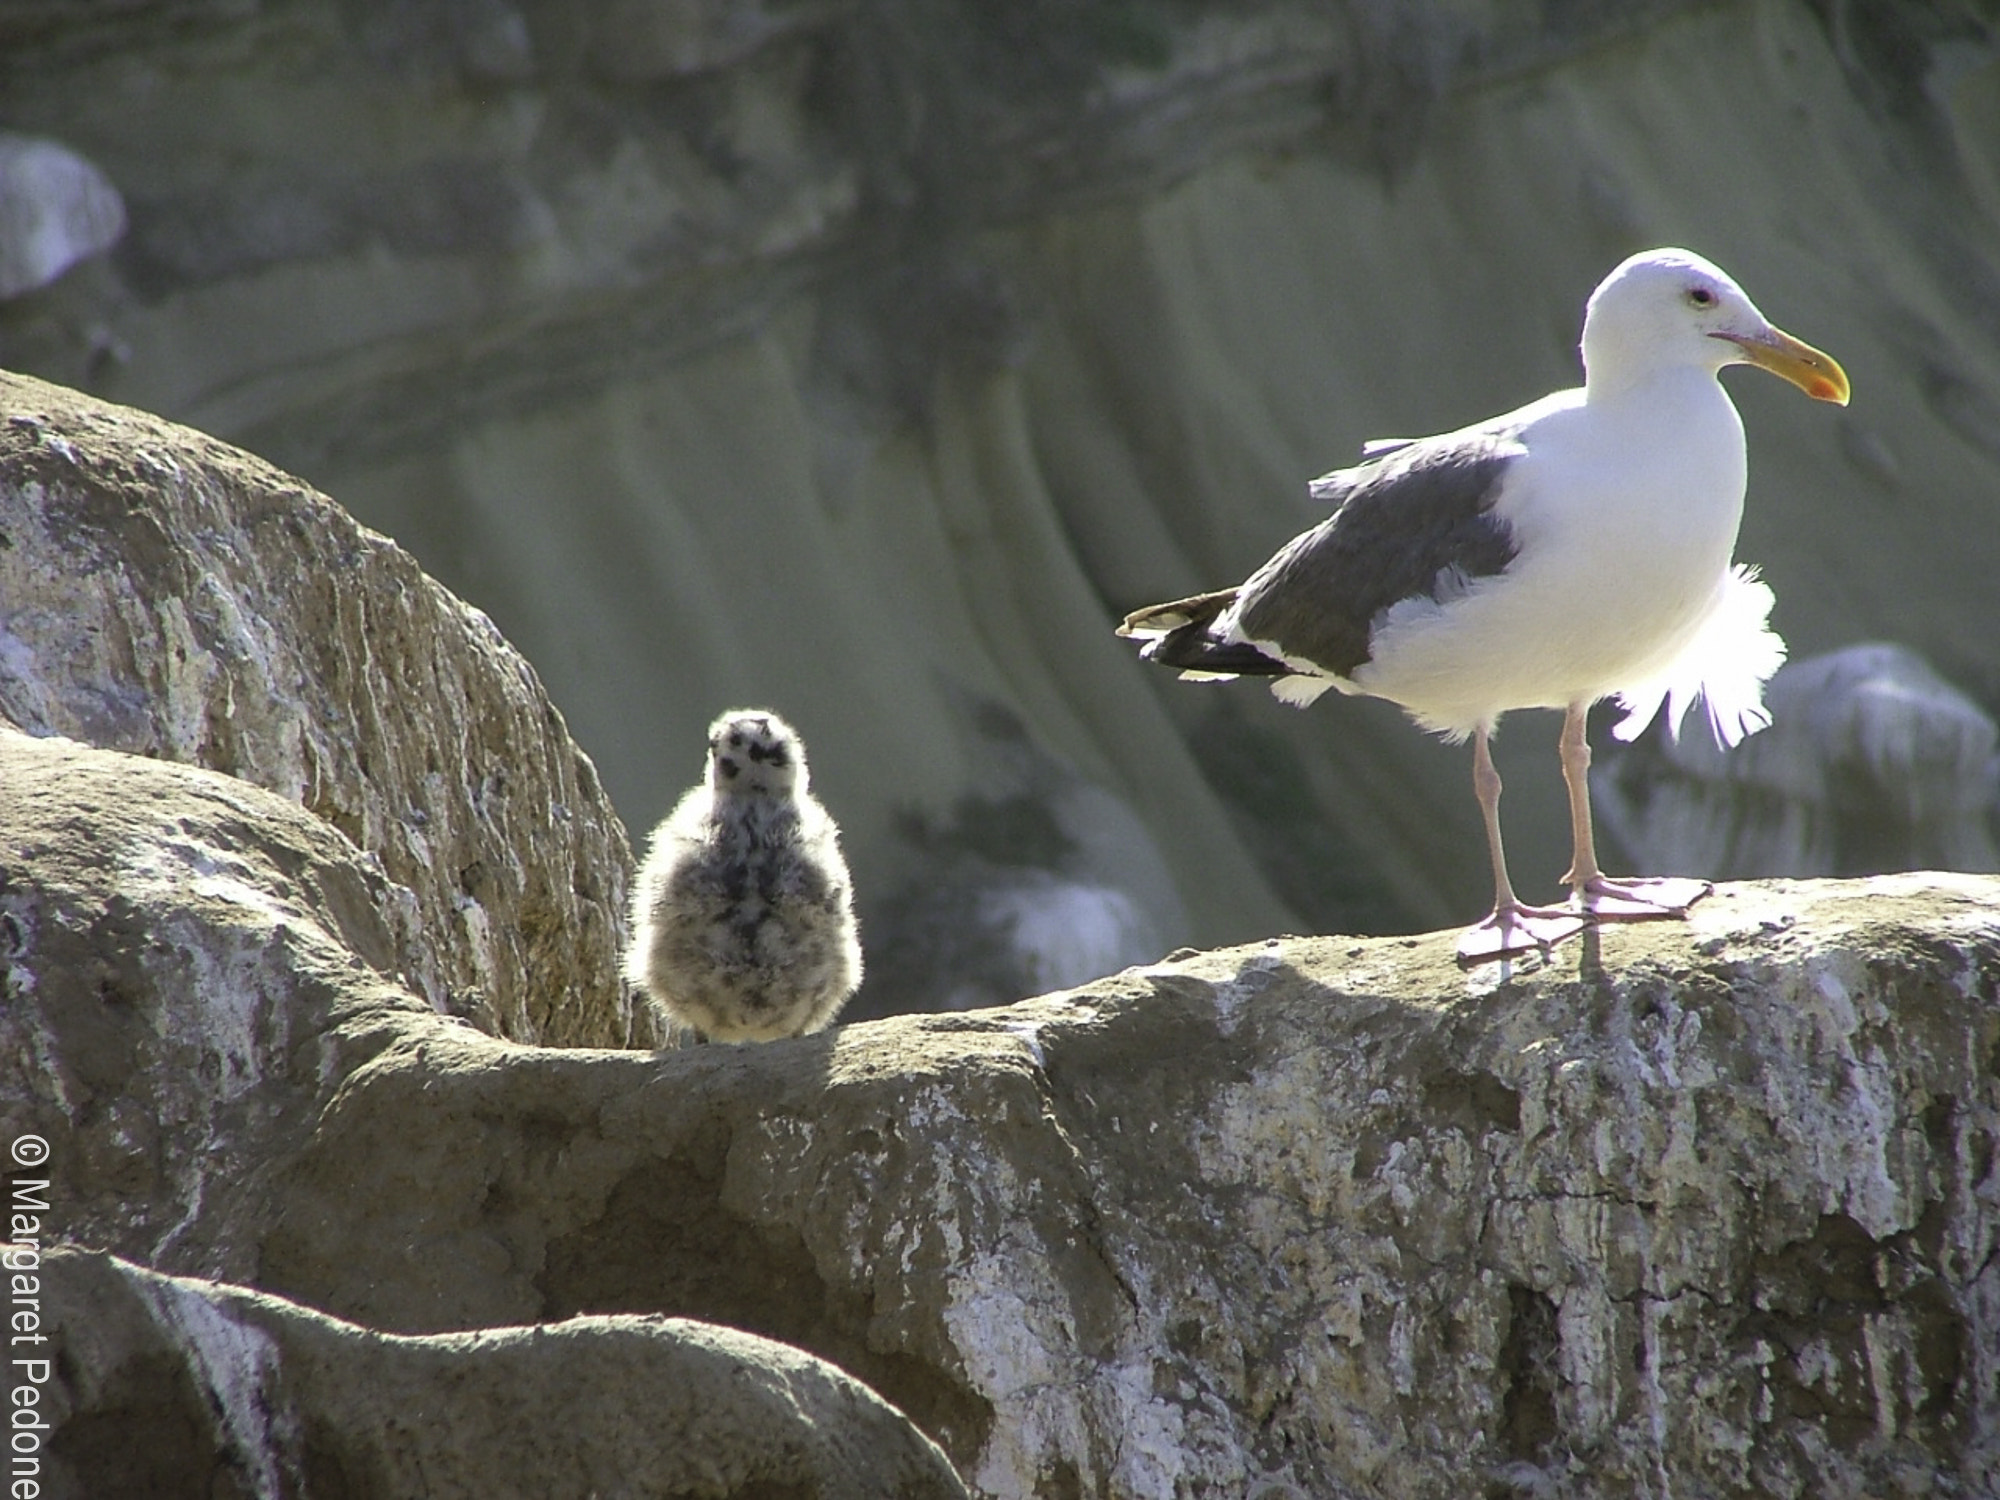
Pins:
x: 1597, y: 894
x: 1512, y: 927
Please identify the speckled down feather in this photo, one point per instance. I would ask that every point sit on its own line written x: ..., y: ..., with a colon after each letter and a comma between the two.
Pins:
x: 742, y: 923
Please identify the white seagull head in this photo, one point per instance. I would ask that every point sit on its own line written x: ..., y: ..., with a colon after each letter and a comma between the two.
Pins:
x: 752, y: 752
x: 1666, y: 308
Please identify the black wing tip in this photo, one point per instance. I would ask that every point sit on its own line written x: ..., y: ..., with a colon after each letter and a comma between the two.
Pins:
x: 1190, y: 648
x: 1230, y: 658
x: 1177, y: 635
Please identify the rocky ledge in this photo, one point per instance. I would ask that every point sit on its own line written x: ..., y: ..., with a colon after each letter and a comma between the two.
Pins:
x: 1705, y: 1208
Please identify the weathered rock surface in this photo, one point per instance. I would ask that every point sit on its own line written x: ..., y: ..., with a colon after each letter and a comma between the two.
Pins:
x: 190, y: 967
x: 176, y: 1387
x: 165, y: 594
x: 942, y: 334
x: 1707, y: 1209
x: 1719, y: 1216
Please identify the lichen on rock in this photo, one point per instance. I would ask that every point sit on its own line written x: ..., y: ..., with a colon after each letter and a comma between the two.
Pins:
x: 167, y: 595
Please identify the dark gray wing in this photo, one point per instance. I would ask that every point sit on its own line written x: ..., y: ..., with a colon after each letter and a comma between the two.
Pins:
x: 1418, y: 520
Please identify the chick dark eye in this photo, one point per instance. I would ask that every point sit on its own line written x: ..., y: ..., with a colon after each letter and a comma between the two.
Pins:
x: 1701, y: 296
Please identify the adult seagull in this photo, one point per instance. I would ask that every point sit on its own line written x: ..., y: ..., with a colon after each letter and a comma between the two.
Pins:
x: 1576, y: 549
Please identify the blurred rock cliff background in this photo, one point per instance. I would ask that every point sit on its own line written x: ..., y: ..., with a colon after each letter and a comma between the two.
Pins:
x: 868, y: 359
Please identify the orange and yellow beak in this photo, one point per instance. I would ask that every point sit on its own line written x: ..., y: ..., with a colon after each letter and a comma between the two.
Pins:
x: 1818, y: 375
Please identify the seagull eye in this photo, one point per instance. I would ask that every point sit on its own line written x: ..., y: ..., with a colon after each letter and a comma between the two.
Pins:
x: 1701, y: 296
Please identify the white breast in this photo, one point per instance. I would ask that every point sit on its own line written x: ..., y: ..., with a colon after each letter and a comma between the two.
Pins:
x: 1625, y: 514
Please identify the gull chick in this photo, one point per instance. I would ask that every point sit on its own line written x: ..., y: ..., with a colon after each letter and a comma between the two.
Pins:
x: 742, y: 918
